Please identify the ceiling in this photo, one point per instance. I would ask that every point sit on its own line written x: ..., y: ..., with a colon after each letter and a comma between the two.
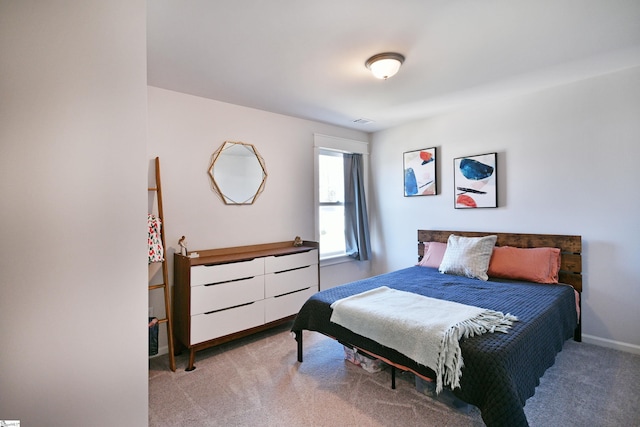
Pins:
x: 306, y: 58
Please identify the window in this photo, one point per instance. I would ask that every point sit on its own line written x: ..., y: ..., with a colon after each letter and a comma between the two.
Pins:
x: 341, y: 217
x: 331, y: 203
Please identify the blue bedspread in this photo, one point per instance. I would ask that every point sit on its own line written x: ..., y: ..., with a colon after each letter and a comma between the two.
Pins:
x: 501, y: 370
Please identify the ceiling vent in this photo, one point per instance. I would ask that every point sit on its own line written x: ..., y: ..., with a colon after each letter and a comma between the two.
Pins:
x: 362, y: 121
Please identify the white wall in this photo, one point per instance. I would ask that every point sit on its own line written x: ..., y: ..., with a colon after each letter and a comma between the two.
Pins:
x: 73, y: 297
x: 567, y: 159
x: 185, y: 130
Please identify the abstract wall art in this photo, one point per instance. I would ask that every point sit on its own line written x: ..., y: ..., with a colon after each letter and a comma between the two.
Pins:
x: 475, y: 181
x: 420, y: 172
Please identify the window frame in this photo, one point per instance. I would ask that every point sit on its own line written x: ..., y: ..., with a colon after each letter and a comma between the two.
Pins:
x: 340, y: 145
x: 338, y: 154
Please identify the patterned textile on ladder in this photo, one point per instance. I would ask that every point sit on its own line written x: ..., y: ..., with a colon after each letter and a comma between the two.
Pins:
x: 156, y: 251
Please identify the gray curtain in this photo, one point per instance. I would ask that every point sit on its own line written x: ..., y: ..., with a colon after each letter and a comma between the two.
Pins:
x: 356, y: 223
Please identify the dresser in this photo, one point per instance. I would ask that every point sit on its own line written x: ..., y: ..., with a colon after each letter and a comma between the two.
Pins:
x: 228, y: 293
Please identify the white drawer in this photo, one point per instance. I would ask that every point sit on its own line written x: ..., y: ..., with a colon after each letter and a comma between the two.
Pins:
x: 286, y: 305
x: 206, y: 327
x: 290, y: 280
x: 205, y: 298
x: 287, y: 262
x: 205, y: 274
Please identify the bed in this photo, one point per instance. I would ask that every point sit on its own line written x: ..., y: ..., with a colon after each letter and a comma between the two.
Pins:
x: 501, y: 370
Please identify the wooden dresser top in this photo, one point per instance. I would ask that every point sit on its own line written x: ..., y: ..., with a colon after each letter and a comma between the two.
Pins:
x: 244, y: 253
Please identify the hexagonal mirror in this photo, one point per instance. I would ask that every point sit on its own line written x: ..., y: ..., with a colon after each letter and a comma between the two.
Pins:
x: 237, y: 173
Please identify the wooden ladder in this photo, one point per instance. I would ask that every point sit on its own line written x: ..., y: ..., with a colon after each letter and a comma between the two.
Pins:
x: 165, y: 272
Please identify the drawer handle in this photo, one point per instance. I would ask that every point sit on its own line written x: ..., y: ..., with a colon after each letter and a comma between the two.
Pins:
x: 291, y: 269
x: 228, y: 262
x: 229, y: 281
x: 229, y: 308
x: 299, y: 252
x: 293, y: 292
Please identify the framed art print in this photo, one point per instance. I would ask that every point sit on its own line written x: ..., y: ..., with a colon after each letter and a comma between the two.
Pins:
x: 420, y: 172
x: 475, y: 181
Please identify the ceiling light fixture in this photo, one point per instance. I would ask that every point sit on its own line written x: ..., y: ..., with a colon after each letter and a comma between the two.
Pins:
x: 385, y: 65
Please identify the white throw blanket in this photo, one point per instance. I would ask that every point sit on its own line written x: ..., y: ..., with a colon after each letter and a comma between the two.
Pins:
x: 427, y: 330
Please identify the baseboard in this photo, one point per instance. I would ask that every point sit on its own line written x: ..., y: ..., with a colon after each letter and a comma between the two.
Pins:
x: 161, y: 351
x: 589, y: 339
x: 617, y: 345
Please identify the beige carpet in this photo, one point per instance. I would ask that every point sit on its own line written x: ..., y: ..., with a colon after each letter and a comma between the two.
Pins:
x: 258, y: 382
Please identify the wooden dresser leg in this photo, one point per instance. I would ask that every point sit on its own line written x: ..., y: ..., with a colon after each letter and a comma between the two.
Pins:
x: 192, y: 359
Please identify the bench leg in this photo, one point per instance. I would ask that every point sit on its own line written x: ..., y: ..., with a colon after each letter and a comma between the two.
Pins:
x: 393, y: 377
x: 298, y: 336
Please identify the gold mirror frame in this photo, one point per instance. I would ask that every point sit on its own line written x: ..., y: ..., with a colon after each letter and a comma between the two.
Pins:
x: 238, y: 173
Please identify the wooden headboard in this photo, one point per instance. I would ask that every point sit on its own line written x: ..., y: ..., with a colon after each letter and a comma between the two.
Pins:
x: 570, y: 248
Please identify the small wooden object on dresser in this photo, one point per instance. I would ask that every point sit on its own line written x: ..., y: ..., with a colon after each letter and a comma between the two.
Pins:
x: 229, y: 293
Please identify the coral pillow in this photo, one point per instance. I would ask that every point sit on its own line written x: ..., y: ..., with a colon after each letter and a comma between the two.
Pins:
x: 468, y: 256
x: 539, y: 265
x: 433, y: 254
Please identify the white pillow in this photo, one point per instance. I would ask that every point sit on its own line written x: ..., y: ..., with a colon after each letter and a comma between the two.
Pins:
x: 468, y: 256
